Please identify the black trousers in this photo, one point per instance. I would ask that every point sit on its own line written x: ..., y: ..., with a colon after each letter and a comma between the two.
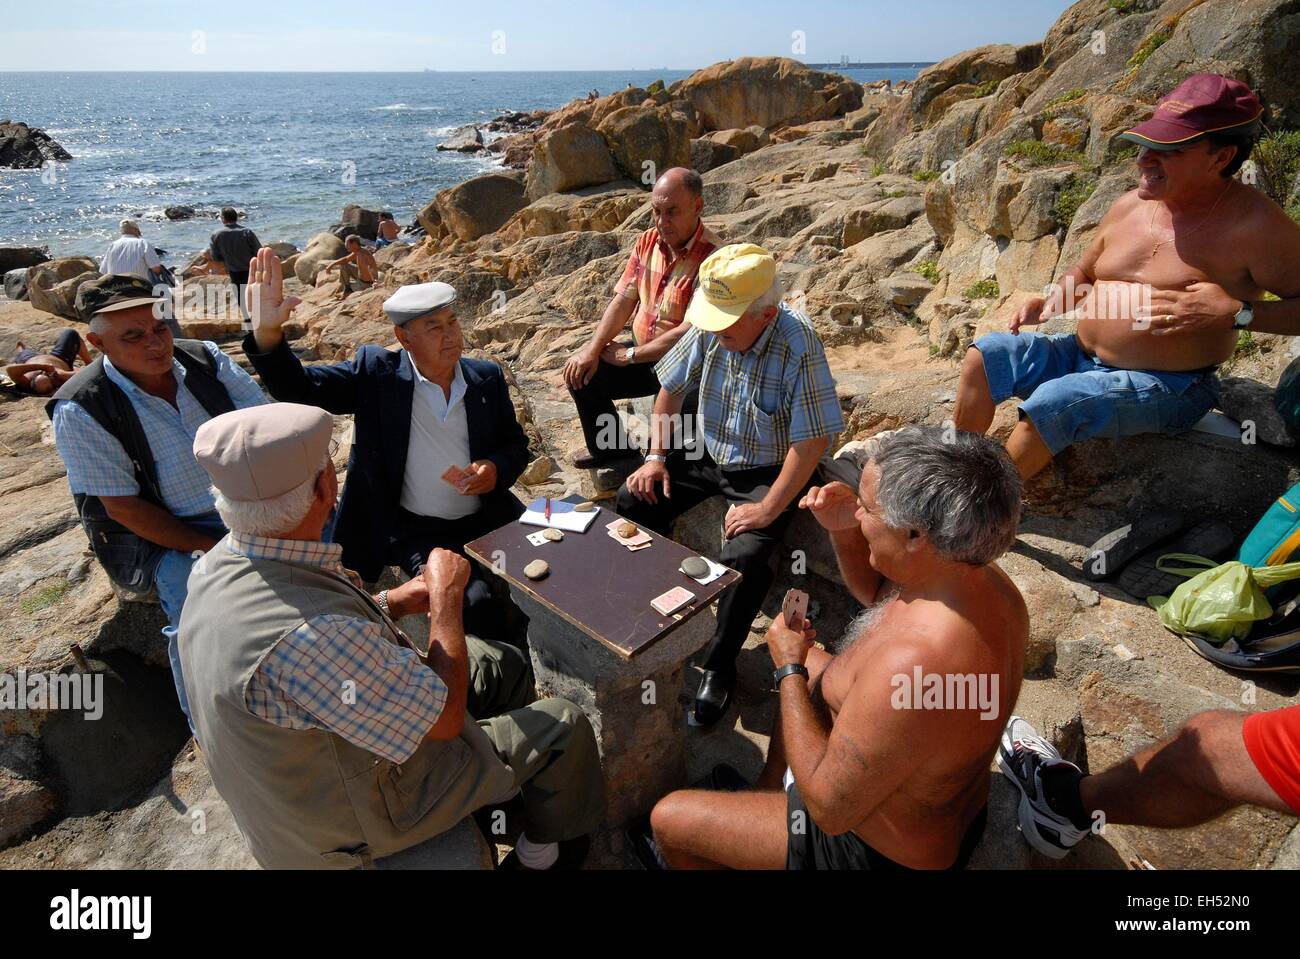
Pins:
x: 418, y: 536
x: 595, y: 401
x: 693, y: 481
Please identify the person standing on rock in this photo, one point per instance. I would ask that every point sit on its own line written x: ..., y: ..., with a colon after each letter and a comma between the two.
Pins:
x: 1176, y: 270
x: 881, y: 755
x: 131, y: 255
x: 653, y: 293
x: 768, y: 409
x: 334, y: 740
x: 124, y: 426
x: 234, y: 247
x: 436, y: 443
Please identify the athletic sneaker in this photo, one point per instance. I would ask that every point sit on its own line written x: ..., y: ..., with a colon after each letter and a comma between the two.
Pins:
x: 1023, y: 757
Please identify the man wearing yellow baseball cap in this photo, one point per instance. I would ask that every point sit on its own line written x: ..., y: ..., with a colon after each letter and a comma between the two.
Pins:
x: 767, y: 411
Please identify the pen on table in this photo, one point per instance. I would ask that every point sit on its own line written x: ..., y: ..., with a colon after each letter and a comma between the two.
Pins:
x: 548, y: 509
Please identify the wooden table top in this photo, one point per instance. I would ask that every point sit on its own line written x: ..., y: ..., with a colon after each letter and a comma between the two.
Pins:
x: 598, y: 585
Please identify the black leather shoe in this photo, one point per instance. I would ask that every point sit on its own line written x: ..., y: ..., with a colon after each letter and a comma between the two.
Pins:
x: 714, y: 696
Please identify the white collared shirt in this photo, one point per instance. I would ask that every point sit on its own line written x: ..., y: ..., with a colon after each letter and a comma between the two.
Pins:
x: 439, y: 439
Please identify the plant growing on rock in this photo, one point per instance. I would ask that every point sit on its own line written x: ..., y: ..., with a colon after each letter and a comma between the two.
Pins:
x: 1278, y: 158
x: 1069, y: 96
x: 928, y: 269
x: 1037, y: 153
x: 1074, y: 194
x: 983, y: 290
x: 925, y: 176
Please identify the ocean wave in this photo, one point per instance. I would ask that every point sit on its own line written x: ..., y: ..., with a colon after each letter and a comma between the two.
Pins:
x: 404, y: 107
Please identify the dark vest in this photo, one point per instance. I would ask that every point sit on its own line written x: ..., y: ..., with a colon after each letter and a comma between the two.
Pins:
x: 129, y: 560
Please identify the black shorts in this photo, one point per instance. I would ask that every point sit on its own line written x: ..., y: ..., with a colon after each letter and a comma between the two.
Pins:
x: 814, y: 849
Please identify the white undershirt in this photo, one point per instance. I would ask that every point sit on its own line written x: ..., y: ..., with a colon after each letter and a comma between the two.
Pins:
x: 439, y: 439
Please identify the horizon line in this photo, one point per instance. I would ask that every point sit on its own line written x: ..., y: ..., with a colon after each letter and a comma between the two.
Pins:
x: 812, y: 64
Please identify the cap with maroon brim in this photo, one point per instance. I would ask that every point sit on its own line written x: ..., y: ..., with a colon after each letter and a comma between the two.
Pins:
x: 1203, y: 104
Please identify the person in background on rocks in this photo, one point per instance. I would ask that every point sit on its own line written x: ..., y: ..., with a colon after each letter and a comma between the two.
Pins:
x: 437, y: 445
x: 43, y: 373
x: 124, y: 427
x: 1214, y: 762
x: 388, y: 230
x: 867, y: 769
x: 768, y: 409
x: 131, y: 255
x: 358, y: 270
x: 275, y: 627
x: 1176, y: 270
x: 234, y: 247
x: 653, y: 293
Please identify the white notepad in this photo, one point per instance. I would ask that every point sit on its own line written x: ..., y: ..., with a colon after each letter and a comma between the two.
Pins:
x: 563, y: 516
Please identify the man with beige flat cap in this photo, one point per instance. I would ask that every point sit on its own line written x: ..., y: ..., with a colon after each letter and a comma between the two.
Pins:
x: 332, y: 738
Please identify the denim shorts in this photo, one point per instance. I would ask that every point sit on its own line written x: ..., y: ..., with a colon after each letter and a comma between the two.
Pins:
x: 1070, y: 396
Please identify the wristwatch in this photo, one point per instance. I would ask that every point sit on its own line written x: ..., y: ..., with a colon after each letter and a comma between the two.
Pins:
x: 382, y: 601
x: 628, y: 354
x: 1245, y: 316
x: 789, y: 669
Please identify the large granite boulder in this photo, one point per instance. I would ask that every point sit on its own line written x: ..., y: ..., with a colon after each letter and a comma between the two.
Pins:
x: 14, y: 257
x: 26, y: 148
x: 15, y: 284
x: 766, y: 91
x: 598, y: 208
x: 645, y: 141
x: 321, y: 248
x: 707, y: 154
x: 568, y: 158
x: 972, y: 67
x: 52, y: 286
x: 358, y: 220
x: 481, y: 205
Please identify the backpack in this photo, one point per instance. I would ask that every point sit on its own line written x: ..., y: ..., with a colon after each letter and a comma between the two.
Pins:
x: 1275, y: 540
x: 129, y: 560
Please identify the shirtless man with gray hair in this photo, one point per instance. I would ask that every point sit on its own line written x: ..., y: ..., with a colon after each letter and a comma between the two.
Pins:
x: 882, y: 753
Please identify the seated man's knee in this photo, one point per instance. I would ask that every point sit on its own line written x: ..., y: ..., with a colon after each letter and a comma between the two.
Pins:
x: 670, y: 818
x: 972, y: 365
x: 1201, y: 745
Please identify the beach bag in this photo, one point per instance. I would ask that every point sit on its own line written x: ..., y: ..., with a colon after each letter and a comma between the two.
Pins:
x: 1222, y: 601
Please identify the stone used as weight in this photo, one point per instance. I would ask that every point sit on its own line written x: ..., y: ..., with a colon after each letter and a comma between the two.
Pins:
x: 554, y: 535
x: 695, y: 567
x: 537, y: 569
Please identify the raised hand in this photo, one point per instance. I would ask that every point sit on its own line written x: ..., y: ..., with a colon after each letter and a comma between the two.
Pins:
x: 265, y: 298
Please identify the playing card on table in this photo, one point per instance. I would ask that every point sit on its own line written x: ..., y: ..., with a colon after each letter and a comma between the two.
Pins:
x: 642, y: 537
x: 673, y: 600
x: 537, y: 539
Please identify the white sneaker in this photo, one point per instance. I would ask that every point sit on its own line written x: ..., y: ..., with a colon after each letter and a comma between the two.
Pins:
x: 1022, y: 758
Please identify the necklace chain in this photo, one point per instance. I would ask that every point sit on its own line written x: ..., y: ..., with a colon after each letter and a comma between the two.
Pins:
x: 1204, y: 220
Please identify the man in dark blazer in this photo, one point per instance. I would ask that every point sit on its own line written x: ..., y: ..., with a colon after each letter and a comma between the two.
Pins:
x: 436, y: 445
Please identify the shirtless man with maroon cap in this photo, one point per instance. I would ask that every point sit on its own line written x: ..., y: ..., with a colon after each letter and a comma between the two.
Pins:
x: 1175, y: 269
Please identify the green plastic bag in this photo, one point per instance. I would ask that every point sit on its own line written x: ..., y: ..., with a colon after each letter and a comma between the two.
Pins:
x: 1220, y: 601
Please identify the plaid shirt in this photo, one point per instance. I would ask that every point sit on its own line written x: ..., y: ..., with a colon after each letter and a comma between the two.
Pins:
x: 391, y: 698
x: 755, y: 404
x: 98, y: 465
x: 661, y: 282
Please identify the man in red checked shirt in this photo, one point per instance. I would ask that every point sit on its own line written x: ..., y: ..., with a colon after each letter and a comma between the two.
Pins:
x: 653, y: 293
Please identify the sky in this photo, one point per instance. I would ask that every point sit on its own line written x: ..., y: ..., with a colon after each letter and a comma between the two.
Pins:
x: 483, y: 35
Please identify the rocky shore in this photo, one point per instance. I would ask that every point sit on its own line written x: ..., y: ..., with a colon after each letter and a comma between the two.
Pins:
x: 906, y: 220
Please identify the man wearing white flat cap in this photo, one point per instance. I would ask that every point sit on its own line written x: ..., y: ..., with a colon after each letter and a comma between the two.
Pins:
x: 436, y: 443
x: 333, y: 739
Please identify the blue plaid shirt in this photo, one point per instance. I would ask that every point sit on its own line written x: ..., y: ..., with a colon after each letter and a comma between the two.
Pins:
x: 754, y: 405
x: 98, y: 465
x: 338, y: 673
